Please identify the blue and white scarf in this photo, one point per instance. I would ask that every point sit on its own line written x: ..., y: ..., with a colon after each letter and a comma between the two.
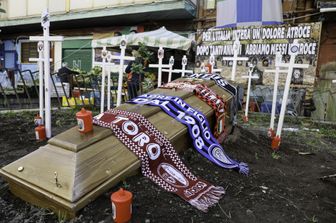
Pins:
x: 198, y: 128
x: 220, y: 81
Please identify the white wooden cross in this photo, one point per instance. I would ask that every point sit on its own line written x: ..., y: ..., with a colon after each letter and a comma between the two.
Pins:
x: 106, y: 64
x: 203, y: 71
x: 184, y: 64
x: 160, y: 65
x: 293, y: 52
x: 40, y: 60
x: 183, y: 71
x: 249, y: 77
x: 170, y: 70
x: 121, y: 58
x: 110, y: 65
x: 46, y: 38
x: 212, y: 63
x: 277, y: 71
x: 235, y: 58
x: 102, y: 92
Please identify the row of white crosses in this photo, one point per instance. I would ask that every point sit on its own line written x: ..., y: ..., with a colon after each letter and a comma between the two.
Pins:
x: 293, y: 52
x: 170, y: 65
x: 107, y: 64
x: 183, y: 71
x: 43, y: 47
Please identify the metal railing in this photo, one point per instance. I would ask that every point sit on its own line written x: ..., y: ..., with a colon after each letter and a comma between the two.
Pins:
x: 262, y: 98
x: 20, y: 89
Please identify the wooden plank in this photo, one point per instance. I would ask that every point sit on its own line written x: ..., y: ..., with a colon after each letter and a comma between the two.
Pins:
x: 77, y: 173
x: 74, y: 141
x: 39, y: 169
x: 61, y: 207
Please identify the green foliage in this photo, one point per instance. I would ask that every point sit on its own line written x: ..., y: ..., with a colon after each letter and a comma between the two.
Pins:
x: 314, y: 219
x: 61, y: 216
x: 256, y: 156
x: 148, y: 82
x: 76, y: 69
x: 125, y: 185
x: 59, y: 123
x: 150, y: 76
x: 328, y: 132
x: 144, y: 52
x: 137, y: 68
x: 275, y: 155
x: 96, y: 71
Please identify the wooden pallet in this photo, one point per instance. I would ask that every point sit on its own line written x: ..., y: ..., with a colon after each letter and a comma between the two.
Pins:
x: 88, y: 165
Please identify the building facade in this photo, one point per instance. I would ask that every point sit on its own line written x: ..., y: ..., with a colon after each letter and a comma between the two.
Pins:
x: 79, y: 21
x: 294, y: 12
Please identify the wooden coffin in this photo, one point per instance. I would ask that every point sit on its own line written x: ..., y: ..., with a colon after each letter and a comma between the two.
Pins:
x: 73, y: 169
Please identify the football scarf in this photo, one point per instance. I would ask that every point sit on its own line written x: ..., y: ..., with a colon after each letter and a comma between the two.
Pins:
x: 180, y: 85
x: 198, y: 128
x: 220, y: 81
x: 211, y: 98
x: 159, y: 160
x: 216, y: 102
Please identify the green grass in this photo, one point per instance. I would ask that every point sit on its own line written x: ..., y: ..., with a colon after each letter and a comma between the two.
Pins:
x: 275, y: 155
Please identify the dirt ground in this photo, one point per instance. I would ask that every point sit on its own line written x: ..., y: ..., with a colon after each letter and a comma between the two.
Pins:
x: 285, y: 186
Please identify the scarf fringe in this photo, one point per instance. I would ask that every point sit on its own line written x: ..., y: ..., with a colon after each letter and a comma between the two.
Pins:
x: 243, y: 168
x: 208, y: 198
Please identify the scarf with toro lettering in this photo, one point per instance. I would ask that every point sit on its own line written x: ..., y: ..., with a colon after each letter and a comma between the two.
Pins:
x: 198, y: 128
x: 159, y: 160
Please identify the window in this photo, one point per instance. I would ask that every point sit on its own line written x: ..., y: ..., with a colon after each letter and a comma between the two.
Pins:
x: 210, y: 4
x: 28, y: 50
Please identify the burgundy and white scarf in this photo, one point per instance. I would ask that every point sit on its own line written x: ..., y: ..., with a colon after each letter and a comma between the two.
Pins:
x: 180, y: 85
x: 216, y: 102
x: 159, y: 160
